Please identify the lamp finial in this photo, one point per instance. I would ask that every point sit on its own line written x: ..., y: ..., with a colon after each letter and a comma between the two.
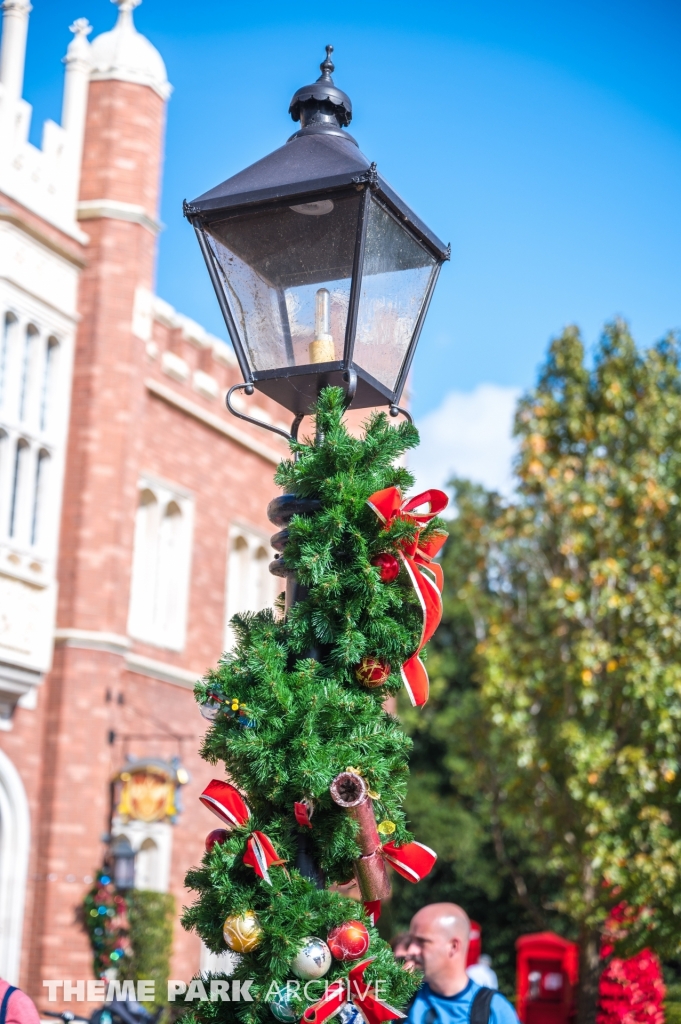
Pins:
x: 327, y: 67
x: 322, y: 106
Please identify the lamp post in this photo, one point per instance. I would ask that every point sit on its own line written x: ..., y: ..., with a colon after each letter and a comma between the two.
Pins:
x: 322, y: 272
x: 324, y: 276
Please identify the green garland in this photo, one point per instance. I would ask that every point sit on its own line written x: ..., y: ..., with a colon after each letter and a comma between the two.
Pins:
x: 105, y: 914
x: 307, y: 720
x: 132, y: 933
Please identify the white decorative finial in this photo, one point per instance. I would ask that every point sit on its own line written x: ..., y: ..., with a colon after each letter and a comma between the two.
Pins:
x: 81, y: 27
x: 78, y: 48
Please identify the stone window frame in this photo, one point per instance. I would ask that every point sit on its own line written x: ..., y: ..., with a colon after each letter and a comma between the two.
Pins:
x: 161, y: 564
x: 249, y: 586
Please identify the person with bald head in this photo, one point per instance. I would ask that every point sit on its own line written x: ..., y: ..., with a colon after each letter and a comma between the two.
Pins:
x: 438, y: 945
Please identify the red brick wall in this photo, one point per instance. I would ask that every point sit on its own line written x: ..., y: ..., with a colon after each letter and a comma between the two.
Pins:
x: 119, y: 430
x: 123, y: 153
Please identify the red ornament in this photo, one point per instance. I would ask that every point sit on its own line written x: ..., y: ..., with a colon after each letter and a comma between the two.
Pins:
x: 372, y: 672
x: 389, y: 566
x: 218, y: 835
x: 348, y: 941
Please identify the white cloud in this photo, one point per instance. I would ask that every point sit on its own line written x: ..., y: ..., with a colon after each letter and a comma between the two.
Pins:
x: 468, y: 435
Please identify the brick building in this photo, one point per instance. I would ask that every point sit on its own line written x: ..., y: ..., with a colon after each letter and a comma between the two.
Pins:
x: 132, y: 506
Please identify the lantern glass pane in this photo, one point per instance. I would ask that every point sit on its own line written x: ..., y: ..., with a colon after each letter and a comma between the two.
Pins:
x: 124, y: 864
x: 286, y: 272
x: 395, y: 277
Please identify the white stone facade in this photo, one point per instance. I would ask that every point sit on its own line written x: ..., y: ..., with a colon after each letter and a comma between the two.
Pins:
x: 38, y: 317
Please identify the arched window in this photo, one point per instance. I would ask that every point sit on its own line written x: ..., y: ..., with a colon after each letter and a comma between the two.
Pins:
x: 4, y: 480
x: 19, y: 487
x: 144, y: 565
x: 147, y: 866
x: 239, y: 559
x: 28, y: 368
x: 49, y: 375
x: 249, y: 582
x: 9, y: 330
x: 39, y: 494
x: 262, y: 579
x: 15, y: 836
x: 168, y: 598
x: 160, y: 571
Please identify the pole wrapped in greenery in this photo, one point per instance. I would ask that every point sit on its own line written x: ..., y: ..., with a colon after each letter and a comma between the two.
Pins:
x: 151, y: 916
x: 308, y: 718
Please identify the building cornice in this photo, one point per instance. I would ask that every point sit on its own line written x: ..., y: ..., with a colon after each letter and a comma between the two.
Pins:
x: 72, y: 318
x: 209, y: 419
x: 154, y: 669
x: 92, y: 640
x: 13, y: 216
x: 115, y: 643
x: 114, y: 209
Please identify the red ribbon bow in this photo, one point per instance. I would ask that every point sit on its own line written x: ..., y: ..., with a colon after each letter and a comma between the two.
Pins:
x: 227, y: 802
x: 413, y: 860
x: 352, y: 990
x: 426, y: 576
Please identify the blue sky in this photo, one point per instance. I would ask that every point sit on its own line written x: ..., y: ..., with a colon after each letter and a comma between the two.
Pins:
x: 542, y: 139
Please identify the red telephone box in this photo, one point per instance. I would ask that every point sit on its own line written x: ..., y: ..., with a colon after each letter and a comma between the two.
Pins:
x: 474, y: 944
x: 546, y: 972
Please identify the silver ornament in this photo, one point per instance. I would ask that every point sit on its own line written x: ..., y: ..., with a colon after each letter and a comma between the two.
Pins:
x: 314, y: 959
x: 210, y: 709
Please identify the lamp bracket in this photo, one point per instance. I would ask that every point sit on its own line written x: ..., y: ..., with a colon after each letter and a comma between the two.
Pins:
x: 249, y: 389
x: 395, y: 410
x: 350, y: 379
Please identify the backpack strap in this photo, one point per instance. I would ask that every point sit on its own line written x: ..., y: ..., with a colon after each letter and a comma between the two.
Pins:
x: 429, y: 1017
x: 5, y: 1001
x: 480, y: 1007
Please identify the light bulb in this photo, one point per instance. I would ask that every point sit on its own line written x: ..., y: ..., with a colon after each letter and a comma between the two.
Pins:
x: 321, y: 349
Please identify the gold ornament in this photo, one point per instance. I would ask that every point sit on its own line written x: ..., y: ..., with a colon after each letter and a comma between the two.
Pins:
x: 386, y: 828
x: 242, y: 932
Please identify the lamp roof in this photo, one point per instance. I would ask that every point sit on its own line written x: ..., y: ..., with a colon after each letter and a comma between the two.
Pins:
x: 306, y: 162
x: 319, y: 158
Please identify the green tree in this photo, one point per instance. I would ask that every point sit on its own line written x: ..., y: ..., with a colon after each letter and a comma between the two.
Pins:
x: 445, y: 806
x: 567, y: 753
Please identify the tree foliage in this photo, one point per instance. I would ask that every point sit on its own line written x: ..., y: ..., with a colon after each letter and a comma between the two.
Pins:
x: 567, y: 753
x: 445, y: 804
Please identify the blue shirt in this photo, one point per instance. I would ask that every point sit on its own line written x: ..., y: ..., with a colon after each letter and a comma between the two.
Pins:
x: 457, y: 1009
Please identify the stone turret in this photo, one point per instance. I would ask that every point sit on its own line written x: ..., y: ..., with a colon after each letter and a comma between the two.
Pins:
x: 46, y: 180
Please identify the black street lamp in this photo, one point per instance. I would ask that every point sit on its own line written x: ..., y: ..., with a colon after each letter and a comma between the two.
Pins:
x: 322, y: 272
x: 123, y: 857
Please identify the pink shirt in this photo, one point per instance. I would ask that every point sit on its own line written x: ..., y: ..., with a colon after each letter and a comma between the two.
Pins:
x: 20, y: 1009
